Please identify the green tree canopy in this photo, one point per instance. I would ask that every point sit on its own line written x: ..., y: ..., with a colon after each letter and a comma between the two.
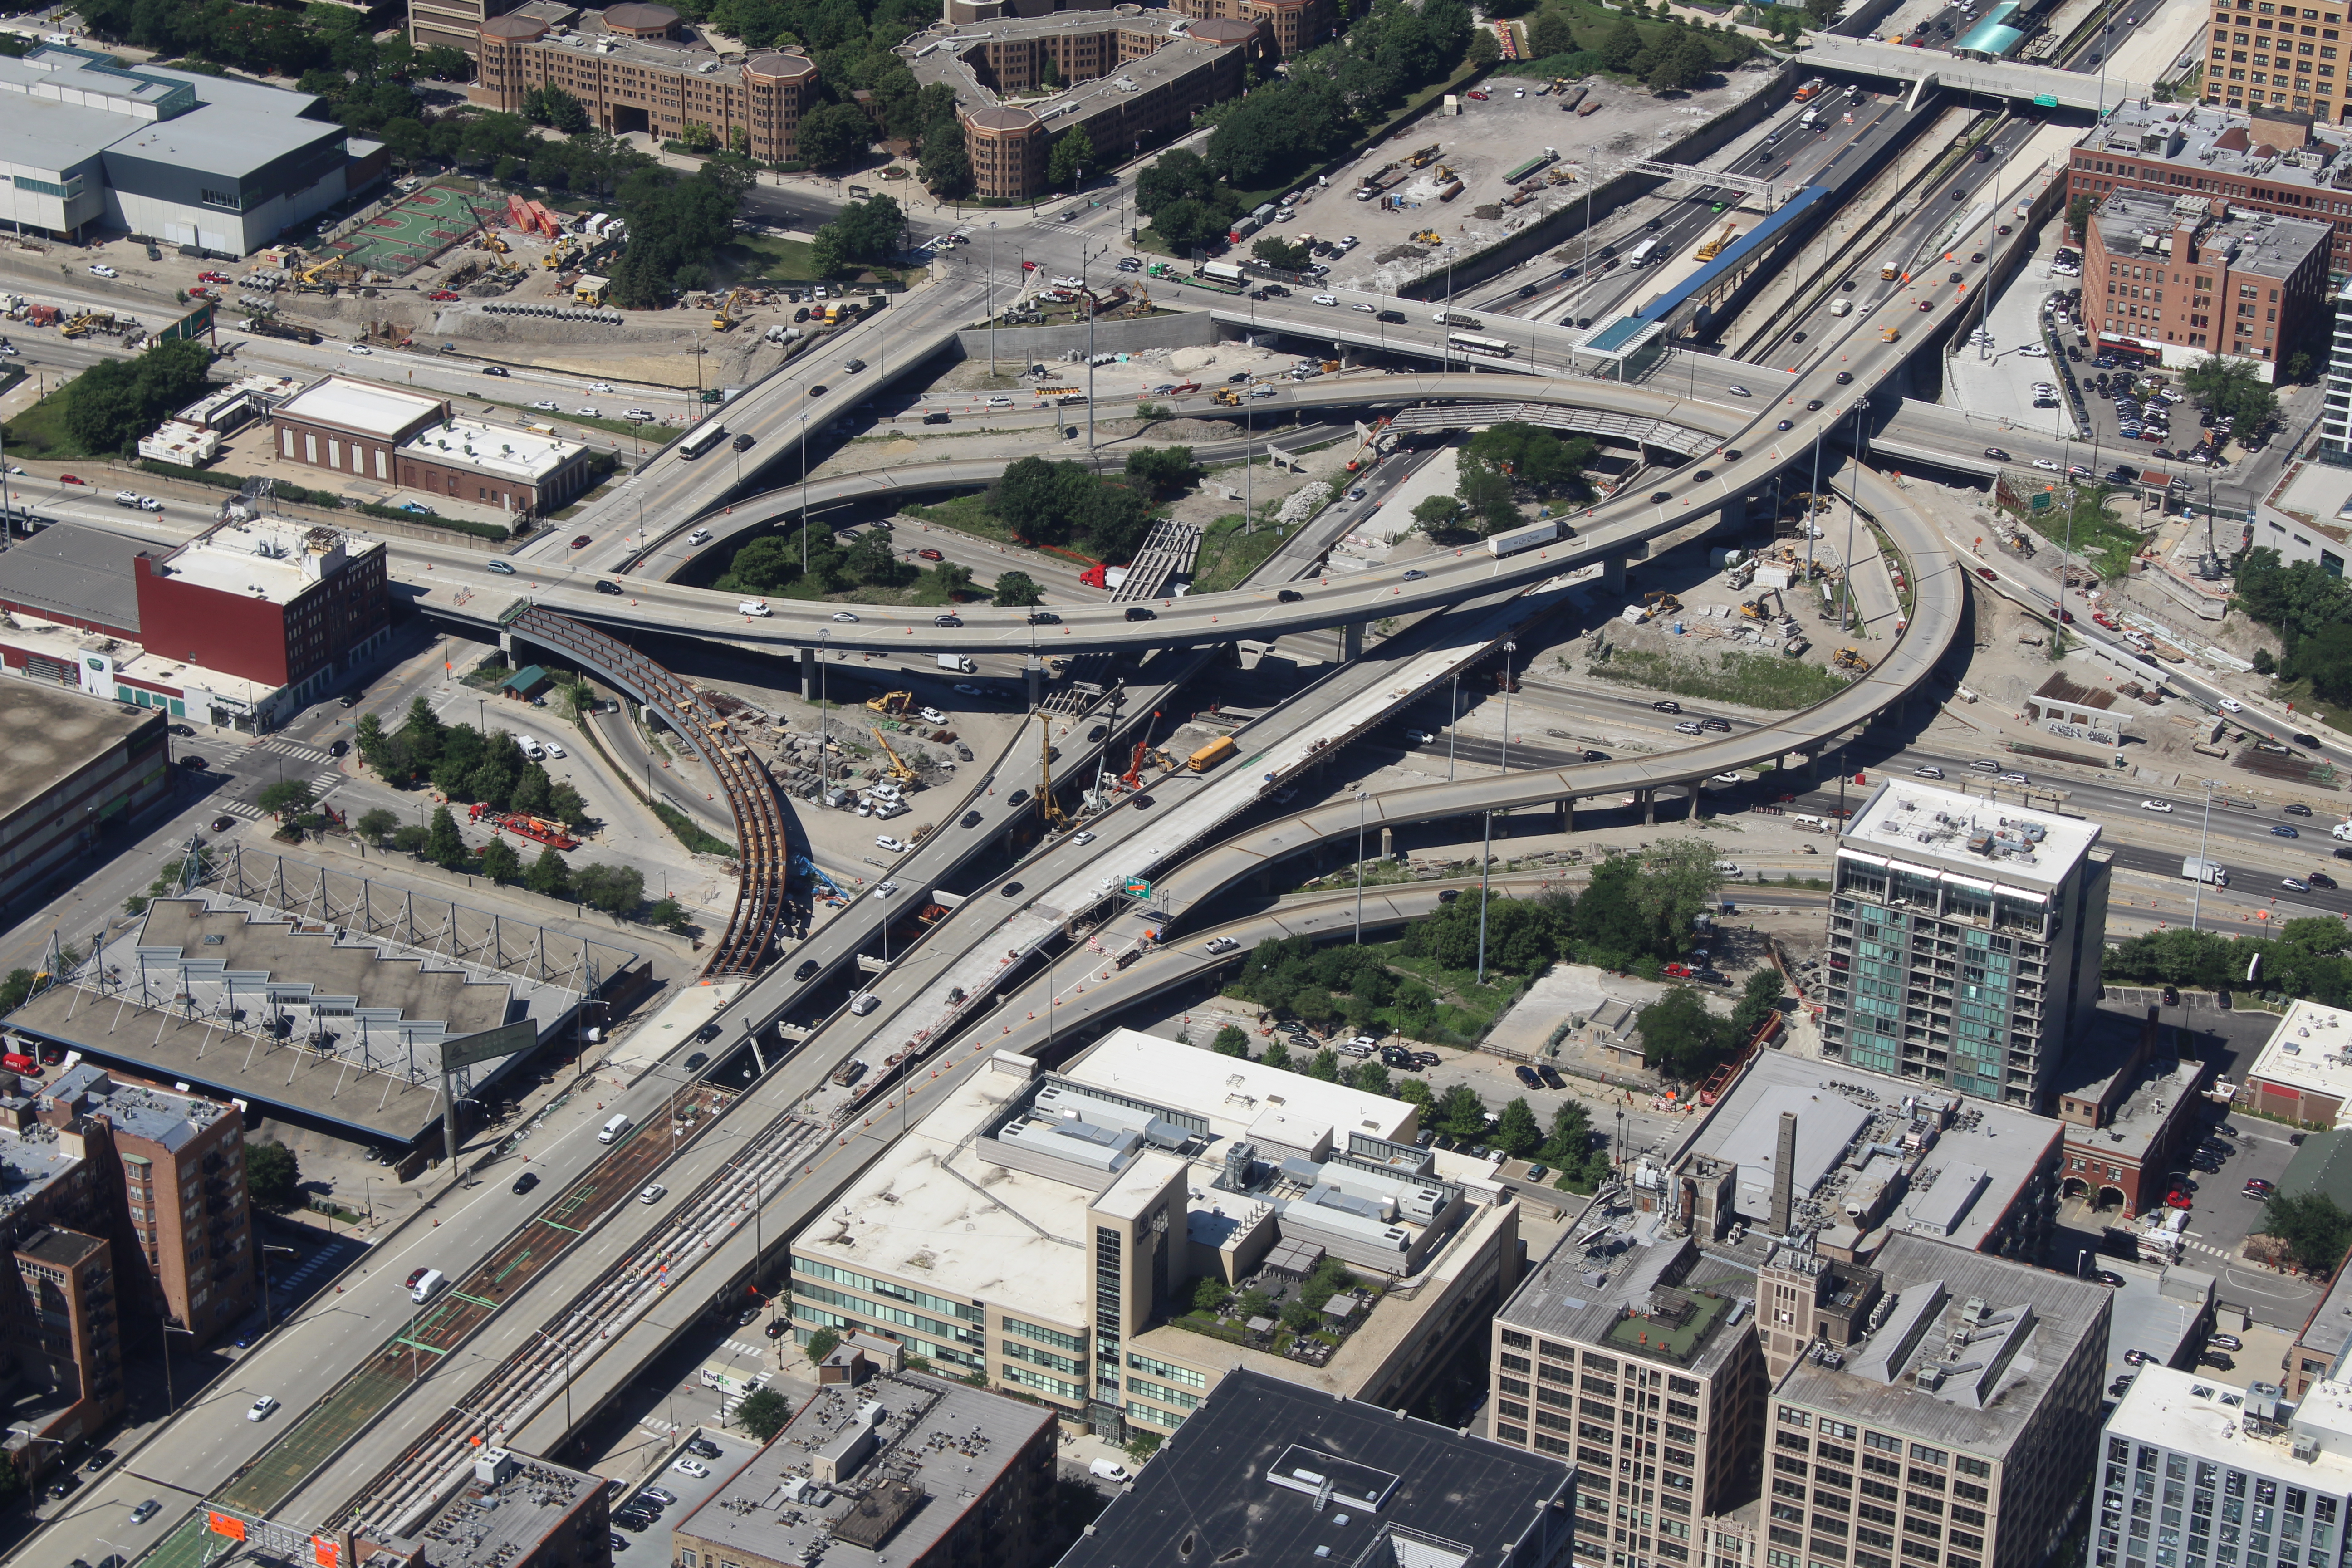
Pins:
x: 549, y: 874
x: 764, y: 1414
x: 444, y: 846
x: 1680, y: 1038
x: 116, y: 401
x: 285, y: 795
x: 1073, y: 153
x: 1517, y: 1133
x: 2316, y: 1232
x: 1017, y: 589
x: 2229, y: 386
x: 498, y: 862
x: 273, y: 1177
x: 1461, y: 1115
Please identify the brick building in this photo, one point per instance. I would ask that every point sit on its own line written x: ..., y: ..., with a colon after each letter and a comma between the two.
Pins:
x: 1295, y: 25
x: 1137, y: 79
x: 390, y: 435
x: 73, y: 769
x: 634, y: 68
x: 2175, y: 279
x: 2258, y: 161
x: 2286, y: 57
x: 278, y: 603
x: 2130, y: 1112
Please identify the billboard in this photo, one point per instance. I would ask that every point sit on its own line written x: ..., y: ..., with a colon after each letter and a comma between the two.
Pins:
x: 505, y: 1040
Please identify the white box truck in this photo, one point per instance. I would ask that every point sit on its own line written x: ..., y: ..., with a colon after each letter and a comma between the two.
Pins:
x: 960, y: 663
x: 613, y: 1129
x: 2210, y: 872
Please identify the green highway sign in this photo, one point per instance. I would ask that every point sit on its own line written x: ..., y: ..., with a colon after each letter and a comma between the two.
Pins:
x: 1136, y: 888
x: 2040, y: 501
x: 2046, y: 100
x: 505, y: 1040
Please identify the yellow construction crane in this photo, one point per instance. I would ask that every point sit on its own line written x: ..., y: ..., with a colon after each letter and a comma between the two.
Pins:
x: 1714, y: 247
x: 1045, y: 803
x: 898, y: 769
x: 890, y: 702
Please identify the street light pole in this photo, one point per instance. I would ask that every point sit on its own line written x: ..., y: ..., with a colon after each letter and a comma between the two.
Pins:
x: 1360, y: 868
x: 566, y: 1351
x: 992, y: 298
x: 2204, y: 838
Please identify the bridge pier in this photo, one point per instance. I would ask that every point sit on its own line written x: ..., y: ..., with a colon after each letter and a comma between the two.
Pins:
x: 808, y: 673
x: 1352, y: 642
x: 1568, y: 814
x: 1649, y: 807
x: 1612, y: 573
x: 1033, y: 673
x: 751, y: 1039
x: 1388, y: 843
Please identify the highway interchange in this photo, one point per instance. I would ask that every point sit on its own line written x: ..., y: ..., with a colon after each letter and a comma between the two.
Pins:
x: 1201, y: 839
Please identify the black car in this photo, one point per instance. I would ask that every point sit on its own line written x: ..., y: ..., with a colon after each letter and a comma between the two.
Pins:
x: 972, y: 819
x: 1551, y: 1075
x: 223, y: 824
x: 2296, y: 808
x: 66, y: 1485
x: 1845, y: 378
x: 708, y: 1033
x: 337, y: 748
x: 1668, y: 706
x: 2303, y: 740
x: 703, y: 1447
x: 745, y: 442
x: 99, y: 1461
x: 1813, y: 405
x: 779, y: 1328
x: 852, y: 366
x: 1393, y: 316
x: 605, y: 586
x: 1527, y: 1075
x: 1044, y: 618
x: 524, y: 1183
x: 1288, y: 596
x: 1661, y: 495
x: 635, y: 1519
x: 183, y: 729
x: 499, y: 369
x: 937, y: 419
x: 1140, y: 612
x: 2319, y: 879
x: 806, y: 971
x: 1010, y: 890
x: 196, y: 763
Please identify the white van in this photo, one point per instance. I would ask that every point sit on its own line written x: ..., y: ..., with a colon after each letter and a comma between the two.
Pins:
x: 531, y: 748
x: 613, y: 1130
x: 864, y: 1004
x: 1109, y: 1470
x: 427, y: 1284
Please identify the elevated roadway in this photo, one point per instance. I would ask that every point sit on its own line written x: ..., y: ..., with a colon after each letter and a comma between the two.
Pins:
x: 2047, y: 86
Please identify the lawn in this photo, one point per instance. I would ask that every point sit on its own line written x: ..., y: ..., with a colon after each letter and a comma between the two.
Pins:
x: 756, y: 258
x: 1228, y: 556
x: 1766, y: 680
x: 2106, y: 541
x: 1466, y: 1009
x: 39, y: 432
x: 964, y: 514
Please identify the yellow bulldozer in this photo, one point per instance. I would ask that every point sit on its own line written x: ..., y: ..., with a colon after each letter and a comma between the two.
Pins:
x: 1429, y: 237
x: 1755, y: 611
x: 724, y: 322
x: 1847, y: 658
x: 1661, y: 604
x: 1229, y: 397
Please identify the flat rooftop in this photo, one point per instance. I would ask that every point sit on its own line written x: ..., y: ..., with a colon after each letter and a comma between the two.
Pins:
x: 2310, y: 1050
x: 506, y: 450
x: 2210, y: 1420
x: 32, y: 1159
x: 991, y: 1232
x: 76, y: 573
x: 157, y: 1115
x: 2328, y: 1331
x: 132, y: 662
x: 2035, y: 1321
x: 2219, y: 142
x: 2262, y: 245
x: 941, y: 55
x: 1242, y: 1480
x: 874, y: 1474
x: 386, y: 412
x: 265, y: 558
x: 1957, y: 1184
x: 1977, y: 842
x: 489, y: 1524
x: 79, y: 103
x: 54, y: 731
x: 1559, y: 1300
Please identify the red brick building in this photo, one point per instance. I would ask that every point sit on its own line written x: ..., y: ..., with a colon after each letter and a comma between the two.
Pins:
x: 2174, y: 278
x: 274, y: 602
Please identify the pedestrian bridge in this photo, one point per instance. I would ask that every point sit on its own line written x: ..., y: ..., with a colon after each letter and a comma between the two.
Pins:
x: 1927, y: 69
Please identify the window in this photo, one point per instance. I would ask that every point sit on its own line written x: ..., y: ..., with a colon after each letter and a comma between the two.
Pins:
x: 229, y: 200
x: 1183, y: 1374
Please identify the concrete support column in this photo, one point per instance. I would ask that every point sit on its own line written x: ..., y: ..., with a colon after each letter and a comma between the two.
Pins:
x: 1035, y: 674
x: 1612, y: 573
x: 1568, y: 814
x: 1388, y: 843
x: 1733, y: 515
x: 1649, y: 807
x: 1351, y: 641
x: 808, y: 673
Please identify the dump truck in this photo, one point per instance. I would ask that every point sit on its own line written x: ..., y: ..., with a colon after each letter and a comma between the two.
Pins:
x: 1210, y: 755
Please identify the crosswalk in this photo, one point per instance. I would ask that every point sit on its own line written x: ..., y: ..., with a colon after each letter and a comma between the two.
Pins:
x: 325, y: 775
x: 244, y: 808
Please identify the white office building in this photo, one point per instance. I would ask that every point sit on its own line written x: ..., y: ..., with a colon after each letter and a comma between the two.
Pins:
x: 2197, y: 1474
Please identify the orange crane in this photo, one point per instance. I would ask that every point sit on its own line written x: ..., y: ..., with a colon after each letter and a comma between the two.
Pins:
x: 1133, y: 777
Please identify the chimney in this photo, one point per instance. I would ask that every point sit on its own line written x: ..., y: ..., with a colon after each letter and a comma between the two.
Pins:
x: 1784, y: 1174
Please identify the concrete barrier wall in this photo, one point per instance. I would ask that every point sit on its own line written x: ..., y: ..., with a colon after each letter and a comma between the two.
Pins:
x: 1183, y: 330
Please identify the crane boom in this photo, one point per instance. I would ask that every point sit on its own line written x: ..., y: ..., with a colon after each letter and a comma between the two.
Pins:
x: 1047, y: 804
x: 899, y: 769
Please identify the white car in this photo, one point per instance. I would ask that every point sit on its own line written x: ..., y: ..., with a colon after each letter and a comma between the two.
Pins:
x: 884, y: 841
x: 101, y: 270
x: 2048, y: 464
x: 2161, y: 806
x: 2232, y: 705
x: 1739, y: 391
x: 843, y: 615
x: 655, y: 1191
x: 1418, y: 737
x: 549, y: 405
x: 640, y: 415
x: 555, y: 749
x: 260, y: 1408
x: 1348, y: 242
x: 691, y: 1467
x: 599, y: 386
x: 933, y: 716
x: 754, y: 608
x: 589, y: 413
x: 1000, y: 403
x: 1327, y: 298
x: 1368, y: 310
x: 699, y: 536
x: 1082, y: 837
x: 357, y: 349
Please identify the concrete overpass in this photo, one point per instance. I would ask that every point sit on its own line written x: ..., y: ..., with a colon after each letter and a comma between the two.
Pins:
x: 1925, y: 69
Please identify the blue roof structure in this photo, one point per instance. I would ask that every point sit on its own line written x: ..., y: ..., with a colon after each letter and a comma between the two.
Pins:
x: 1621, y: 333
x: 1993, y: 35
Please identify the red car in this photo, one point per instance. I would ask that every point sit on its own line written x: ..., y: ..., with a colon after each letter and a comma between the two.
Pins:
x: 2177, y: 1199
x: 69, y: 480
x: 930, y: 555
x: 442, y: 294
x: 1678, y: 972
x: 580, y: 543
x: 1987, y: 573
x: 1478, y: 94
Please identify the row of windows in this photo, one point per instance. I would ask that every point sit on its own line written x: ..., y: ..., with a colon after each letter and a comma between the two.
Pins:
x: 896, y: 1292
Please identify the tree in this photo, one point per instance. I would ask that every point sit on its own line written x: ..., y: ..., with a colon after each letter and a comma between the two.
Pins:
x: 615, y: 889
x: 273, y: 1177
x: 2078, y: 216
x: 16, y: 988
x: 2231, y: 387
x: 1486, y: 496
x: 945, y: 167
x: 1621, y: 47
x: 763, y: 1414
x: 376, y: 824
x: 1680, y: 1038
x: 1210, y: 1294
x: 861, y: 233
x: 444, y: 846
x: 822, y: 1344
x: 1161, y: 469
x: 1369, y: 1077
x: 1276, y: 251
x: 549, y: 875
x: 1017, y: 589
x: 1277, y: 1055
x: 1415, y: 1091
x: 1758, y: 998
x: 498, y: 862
x: 1326, y: 1066
x: 116, y: 401
x: 1517, y: 1133
x: 1461, y: 1115
x: 285, y: 795
x: 1074, y: 150
x: 1230, y: 1042
x: 832, y: 134
x: 1434, y: 515
x: 2316, y: 1232
x: 1550, y: 33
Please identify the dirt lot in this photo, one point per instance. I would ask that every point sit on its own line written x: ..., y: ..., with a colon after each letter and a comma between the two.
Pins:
x: 1481, y: 145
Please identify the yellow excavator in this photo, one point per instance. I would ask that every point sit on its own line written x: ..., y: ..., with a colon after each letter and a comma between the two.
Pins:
x: 725, y: 320
x: 1847, y: 658
x: 1661, y: 604
x: 1714, y: 247
x: 898, y: 769
x: 1054, y: 819
x: 892, y: 704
